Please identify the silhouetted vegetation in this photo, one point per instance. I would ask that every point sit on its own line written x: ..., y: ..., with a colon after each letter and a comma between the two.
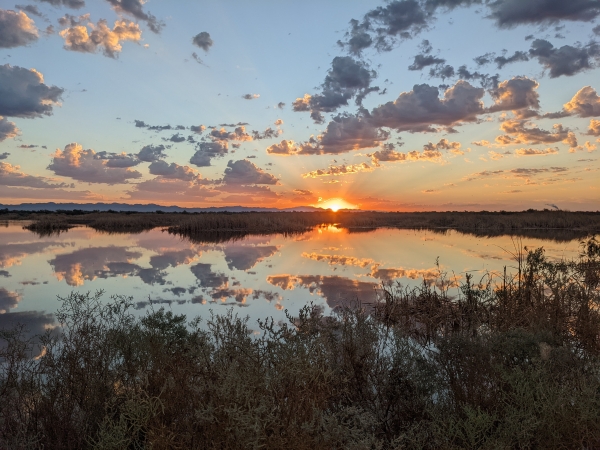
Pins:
x: 508, y: 362
x: 561, y: 225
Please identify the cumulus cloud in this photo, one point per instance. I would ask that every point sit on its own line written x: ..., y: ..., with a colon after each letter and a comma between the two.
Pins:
x: 244, y: 172
x: 422, y: 61
x: 24, y: 94
x: 8, y: 300
x: 566, y: 60
x: 150, y: 153
x: 523, y: 132
x: 203, y: 41
x: 83, y: 165
x: 16, y: 29
x: 173, y: 171
x: 585, y: 103
x: 199, y: 129
x: 205, y: 151
x: 346, y: 133
x: 509, y: 13
x: 346, y: 78
x: 536, y: 152
x: 4, y: 155
x: 338, y: 170
x: 135, y: 9
x: 421, y: 108
x: 12, y: 176
x: 238, y: 134
x: 100, y: 37
x: 118, y: 159
x: 594, y: 129
x: 8, y: 129
x: 250, y: 96
x: 518, y: 94
x: 431, y: 152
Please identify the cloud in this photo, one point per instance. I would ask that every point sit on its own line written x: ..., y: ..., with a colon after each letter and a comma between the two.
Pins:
x: 250, y: 96
x: 207, y: 278
x: 177, y: 137
x: 238, y: 134
x: 566, y: 60
x: 118, y: 159
x: 338, y: 170
x: 422, y: 61
x: 16, y: 29
x: 244, y: 172
x: 75, y: 4
x: 12, y: 176
x: 346, y: 78
x: 206, y: 151
x: 8, y: 130
x: 203, y: 41
x: 165, y: 189
x: 83, y: 165
x: 8, y: 300
x: 135, y: 8
x: 523, y: 132
x: 199, y: 129
x: 24, y: 94
x: 431, y: 152
x: 509, y: 13
x: 4, y: 155
x: 585, y: 103
x: 101, y: 37
x: 421, y: 108
x: 245, y: 257
x: 517, y: 94
x: 594, y: 129
x: 173, y: 171
x: 31, y: 9
x: 303, y: 192
x: 517, y: 56
x: 535, y: 151
x: 150, y: 153
x: 280, y: 105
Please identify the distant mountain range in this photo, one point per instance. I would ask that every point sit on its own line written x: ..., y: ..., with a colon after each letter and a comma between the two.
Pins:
x: 142, y: 208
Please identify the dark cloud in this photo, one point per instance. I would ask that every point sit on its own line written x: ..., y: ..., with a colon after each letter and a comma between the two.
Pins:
x: 12, y: 176
x: 198, y: 59
x: 140, y: 124
x: 596, y: 30
x: 135, y: 8
x: 422, y: 61
x: 83, y: 165
x: 31, y: 9
x: 35, y: 323
x: 199, y: 129
x: 250, y: 96
x: 566, y: 60
x: 5, y: 274
x: 205, y: 151
x: 244, y: 172
x: 8, y: 300
x: 519, y: 94
x: 487, y: 81
x: 509, y: 13
x: 8, y: 130
x: 501, y: 61
x: 4, y: 155
x: 337, y: 291
x: 92, y: 262
x: 118, y: 159
x: 585, y: 103
x: 207, y: 278
x: 346, y: 78
x: 244, y: 257
x: 280, y: 105
x: 173, y: 171
x: 16, y: 29
x: 101, y: 37
x: 24, y: 94
x: 175, y: 138
x: 238, y: 134
x: 442, y: 71
x: 75, y: 4
x: 421, y: 108
x: 150, y: 153
x: 346, y: 133
x: 203, y: 41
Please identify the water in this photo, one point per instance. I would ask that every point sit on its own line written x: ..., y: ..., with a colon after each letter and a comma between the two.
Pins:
x: 262, y: 275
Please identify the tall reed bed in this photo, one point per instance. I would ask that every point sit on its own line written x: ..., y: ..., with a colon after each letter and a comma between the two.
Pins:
x: 509, y: 361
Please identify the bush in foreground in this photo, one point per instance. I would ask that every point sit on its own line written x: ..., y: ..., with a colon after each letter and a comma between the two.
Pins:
x: 507, y: 364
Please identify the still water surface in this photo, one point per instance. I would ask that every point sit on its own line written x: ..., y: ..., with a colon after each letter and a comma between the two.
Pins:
x: 264, y: 275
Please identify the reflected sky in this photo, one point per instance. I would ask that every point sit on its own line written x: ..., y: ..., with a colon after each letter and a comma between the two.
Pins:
x: 264, y: 275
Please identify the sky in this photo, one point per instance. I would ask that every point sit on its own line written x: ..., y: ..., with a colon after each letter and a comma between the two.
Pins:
x: 405, y: 105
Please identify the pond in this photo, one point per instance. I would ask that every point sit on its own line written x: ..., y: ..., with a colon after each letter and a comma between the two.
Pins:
x: 262, y: 275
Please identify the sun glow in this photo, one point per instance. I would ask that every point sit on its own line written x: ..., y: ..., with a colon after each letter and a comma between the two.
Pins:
x: 335, y: 204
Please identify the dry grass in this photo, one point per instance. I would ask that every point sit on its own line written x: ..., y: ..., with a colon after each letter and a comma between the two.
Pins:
x: 511, y: 362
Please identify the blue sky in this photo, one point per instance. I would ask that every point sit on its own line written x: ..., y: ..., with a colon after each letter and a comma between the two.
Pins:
x: 506, y: 142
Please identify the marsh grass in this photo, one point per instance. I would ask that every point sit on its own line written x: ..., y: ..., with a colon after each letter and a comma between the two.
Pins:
x: 561, y: 224
x: 508, y: 361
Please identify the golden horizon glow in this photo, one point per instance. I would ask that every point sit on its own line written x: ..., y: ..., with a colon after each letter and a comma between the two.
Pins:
x: 335, y: 204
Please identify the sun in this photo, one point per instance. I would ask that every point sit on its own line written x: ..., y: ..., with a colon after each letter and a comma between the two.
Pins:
x: 335, y: 204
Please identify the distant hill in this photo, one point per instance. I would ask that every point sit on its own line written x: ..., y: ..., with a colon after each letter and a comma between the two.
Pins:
x: 142, y: 208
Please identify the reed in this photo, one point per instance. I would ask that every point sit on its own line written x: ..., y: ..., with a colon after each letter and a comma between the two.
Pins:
x: 510, y: 361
